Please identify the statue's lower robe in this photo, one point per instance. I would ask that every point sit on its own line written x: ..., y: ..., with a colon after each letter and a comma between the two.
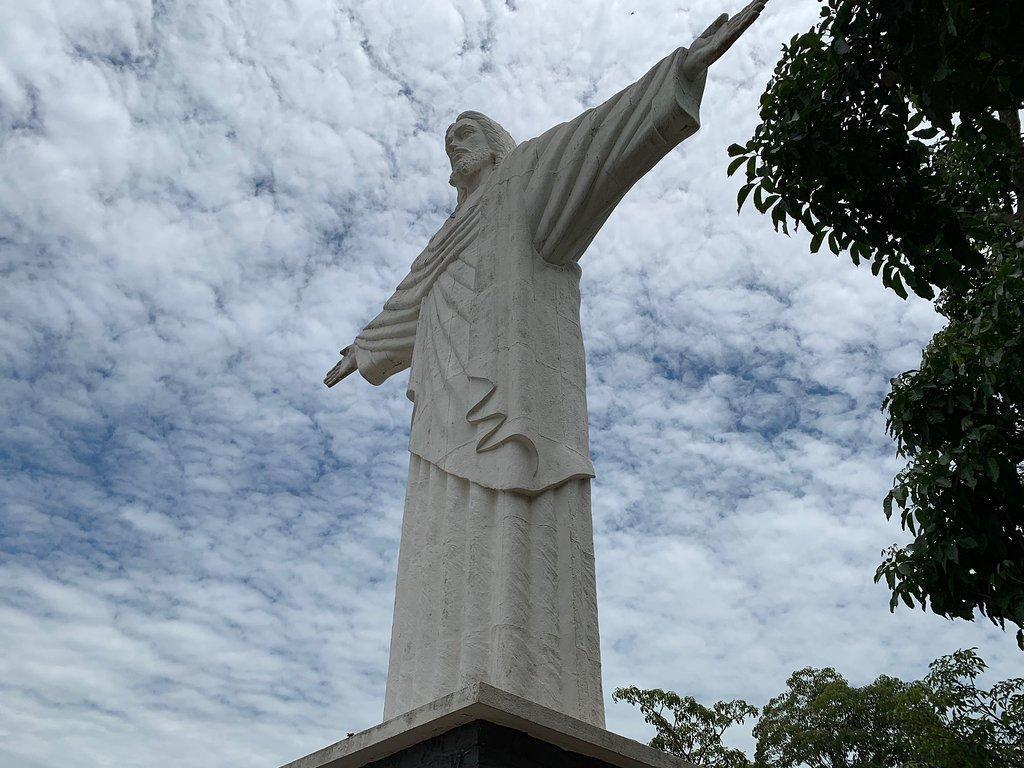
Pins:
x: 496, y: 587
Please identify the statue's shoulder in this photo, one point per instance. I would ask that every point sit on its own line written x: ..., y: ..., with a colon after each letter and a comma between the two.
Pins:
x: 520, y: 161
x: 549, y: 144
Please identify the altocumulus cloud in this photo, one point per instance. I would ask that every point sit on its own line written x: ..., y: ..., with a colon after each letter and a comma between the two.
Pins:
x: 202, y: 201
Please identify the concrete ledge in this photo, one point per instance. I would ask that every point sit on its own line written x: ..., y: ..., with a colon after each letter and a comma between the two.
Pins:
x: 490, y: 704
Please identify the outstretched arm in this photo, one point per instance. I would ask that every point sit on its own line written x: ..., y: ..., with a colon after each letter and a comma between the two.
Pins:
x: 385, y: 346
x: 382, y: 349
x: 583, y: 168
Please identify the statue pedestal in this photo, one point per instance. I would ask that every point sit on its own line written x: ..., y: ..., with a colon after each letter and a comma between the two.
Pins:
x: 484, y: 727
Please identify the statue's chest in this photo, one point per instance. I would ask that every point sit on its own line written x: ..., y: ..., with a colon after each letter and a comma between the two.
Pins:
x: 457, y: 232
x: 449, y: 308
x: 452, y: 253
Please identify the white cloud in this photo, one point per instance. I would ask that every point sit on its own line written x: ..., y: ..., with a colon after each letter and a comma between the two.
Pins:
x: 203, y: 201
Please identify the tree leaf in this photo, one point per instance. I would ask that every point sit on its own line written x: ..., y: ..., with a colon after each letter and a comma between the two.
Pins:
x: 742, y: 196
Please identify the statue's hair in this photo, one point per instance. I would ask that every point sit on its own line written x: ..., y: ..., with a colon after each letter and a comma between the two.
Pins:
x: 499, y: 140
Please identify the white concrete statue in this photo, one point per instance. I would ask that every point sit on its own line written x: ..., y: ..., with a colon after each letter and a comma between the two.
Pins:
x: 496, y: 566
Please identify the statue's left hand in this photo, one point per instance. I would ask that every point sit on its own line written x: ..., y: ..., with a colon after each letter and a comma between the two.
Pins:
x: 346, y: 366
x: 718, y: 38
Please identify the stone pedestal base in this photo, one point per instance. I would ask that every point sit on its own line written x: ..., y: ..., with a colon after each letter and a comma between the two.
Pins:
x: 483, y: 727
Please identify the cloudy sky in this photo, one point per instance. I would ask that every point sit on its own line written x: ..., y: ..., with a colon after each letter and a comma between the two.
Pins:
x: 203, y: 201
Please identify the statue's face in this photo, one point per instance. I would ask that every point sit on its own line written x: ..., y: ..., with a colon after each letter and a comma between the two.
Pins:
x: 467, y: 148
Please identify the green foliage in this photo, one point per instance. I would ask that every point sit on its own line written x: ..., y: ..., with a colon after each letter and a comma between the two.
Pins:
x: 821, y: 720
x: 984, y: 727
x: 941, y: 721
x: 959, y: 418
x: 695, y: 731
x: 858, y: 141
x: 891, y: 131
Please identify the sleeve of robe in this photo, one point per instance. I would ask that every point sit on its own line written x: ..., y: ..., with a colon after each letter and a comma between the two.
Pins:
x: 384, y: 350
x: 385, y: 346
x: 583, y: 168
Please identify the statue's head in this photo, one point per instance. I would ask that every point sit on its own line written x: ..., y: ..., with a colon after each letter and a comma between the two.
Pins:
x: 472, y: 142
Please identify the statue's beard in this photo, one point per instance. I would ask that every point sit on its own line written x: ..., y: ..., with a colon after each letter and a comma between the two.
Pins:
x: 469, y: 163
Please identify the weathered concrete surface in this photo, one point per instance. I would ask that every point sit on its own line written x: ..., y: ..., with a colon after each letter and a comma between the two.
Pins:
x: 496, y: 576
x: 588, y: 745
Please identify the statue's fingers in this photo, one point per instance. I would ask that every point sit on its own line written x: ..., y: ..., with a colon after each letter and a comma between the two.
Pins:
x: 336, y: 374
x: 754, y: 6
x: 715, y: 25
x: 748, y: 15
x: 737, y: 26
x: 742, y: 20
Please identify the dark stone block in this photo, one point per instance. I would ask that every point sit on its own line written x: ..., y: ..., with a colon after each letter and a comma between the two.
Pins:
x: 481, y: 744
x: 481, y: 726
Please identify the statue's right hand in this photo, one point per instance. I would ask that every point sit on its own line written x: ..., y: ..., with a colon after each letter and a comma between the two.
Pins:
x: 345, y: 366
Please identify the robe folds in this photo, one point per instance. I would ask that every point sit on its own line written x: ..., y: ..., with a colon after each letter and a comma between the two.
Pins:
x: 488, y: 319
x: 495, y: 587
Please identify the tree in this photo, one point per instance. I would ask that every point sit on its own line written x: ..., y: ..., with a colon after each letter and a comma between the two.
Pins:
x: 985, y: 727
x: 824, y: 722
x: 695, y: 732
x: 891, y: 131
x: 943, y: 720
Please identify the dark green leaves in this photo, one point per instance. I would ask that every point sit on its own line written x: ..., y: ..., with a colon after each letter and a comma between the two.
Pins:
x: 891, y: 132
x: 841, y: 136
x: 958, y: 420
x: 817, y: 240
x: 736, y: 164
x: 742, y: 196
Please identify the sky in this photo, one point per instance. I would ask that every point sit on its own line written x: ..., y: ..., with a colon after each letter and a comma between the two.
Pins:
x: 202, y: 202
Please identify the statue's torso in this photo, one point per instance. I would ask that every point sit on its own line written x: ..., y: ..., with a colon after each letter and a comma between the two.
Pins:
x: 498, y: 375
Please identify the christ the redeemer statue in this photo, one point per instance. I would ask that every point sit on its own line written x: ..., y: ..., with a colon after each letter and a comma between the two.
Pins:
x: 496, y: 566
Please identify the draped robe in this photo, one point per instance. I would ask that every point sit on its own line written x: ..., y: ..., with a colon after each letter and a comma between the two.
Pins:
x: 496, y: 566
